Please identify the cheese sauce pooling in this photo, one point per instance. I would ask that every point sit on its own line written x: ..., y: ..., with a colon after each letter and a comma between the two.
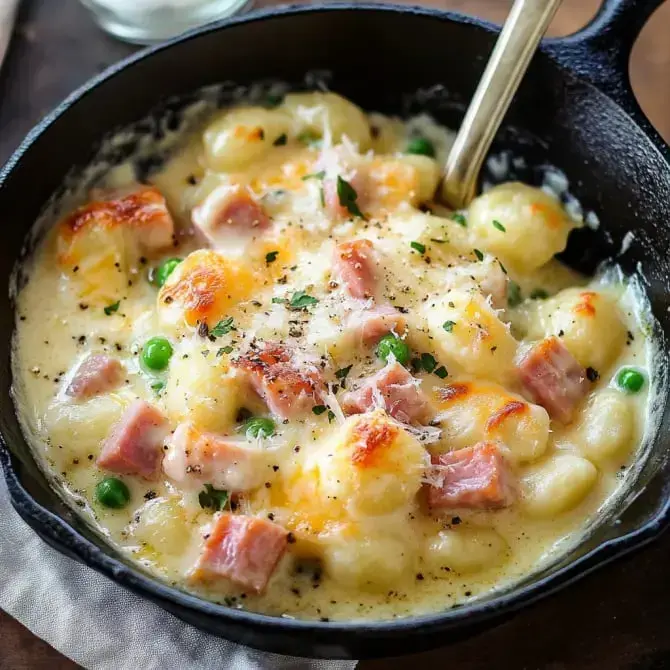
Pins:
x: 340, y: 400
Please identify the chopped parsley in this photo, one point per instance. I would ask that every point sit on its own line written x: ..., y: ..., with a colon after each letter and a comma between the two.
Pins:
x: 502, y: 267
x: 158, y: 386
x: 417, y: 246
x: 309, y: 137
x: 539, y: 294
x: 224, y: 350
x: 514, y: 297
x: 223, y: 327
x: 347, y: 196
x: 281, y: 140
x: 110, y: 309
x: 279, y: 301
x: 498, y: 226
x: 315, y: 175
x: 428, y: 362
x: 343, y: 372
x: 273, y: 100
x: 438, y: 241
x: 479, y: 254
x: 271, y: 257
x: 449, y: 326
x: 319, y: 409
x: 331, y: 416
x: 301, y: 300
x: 211, y: 498
x: 441, y: 372
x: 460, y: 220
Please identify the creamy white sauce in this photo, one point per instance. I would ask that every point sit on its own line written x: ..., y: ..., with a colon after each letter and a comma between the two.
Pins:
x: 373, y: 565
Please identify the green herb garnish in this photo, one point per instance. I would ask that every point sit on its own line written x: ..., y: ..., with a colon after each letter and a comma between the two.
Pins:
x: 479, y: 254
x: 211, y: 498
x: 301, y: 300
x: 417, y: 246
x: 498, y: 226
x: 271, y: 257
x: 347, y: 196
x: 110, y: 309
x: 281, y: 140
x: 223, y: 327
x: 514, y: 296
x: 539, y: 294
x: 449, y: 326
x: 319, y: 409
x: 343, y: 372
x: 428, y: 362
x: 460, y: 220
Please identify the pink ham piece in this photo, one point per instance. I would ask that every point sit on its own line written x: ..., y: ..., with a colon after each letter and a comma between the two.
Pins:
x: 197, y: 457
x: 134, y: 445
x: 476, y: 478
x: 393, y: 389
x: 289, y: 389
x: 95, y: 375
x: 553, y: 378
x: 242, y: 549
x: 354, y: 265
x: 370, y: 325
x: 230, y: 213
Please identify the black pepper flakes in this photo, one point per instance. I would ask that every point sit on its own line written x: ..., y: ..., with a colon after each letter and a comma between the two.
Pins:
x: 290, y: 538
x: 592, y: 374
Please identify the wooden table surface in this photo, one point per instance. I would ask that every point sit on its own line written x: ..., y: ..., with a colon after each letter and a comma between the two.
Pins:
x: 617, y: 618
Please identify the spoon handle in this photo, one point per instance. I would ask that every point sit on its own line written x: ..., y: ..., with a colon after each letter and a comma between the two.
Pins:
x: 526, y: 24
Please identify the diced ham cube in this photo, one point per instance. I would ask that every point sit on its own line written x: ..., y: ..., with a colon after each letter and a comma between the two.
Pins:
x: 289, y: 388
x: 553, y: 378
x: 393, y: 389
x: 370, y: 325
x: 134, y: 445
x: 354, y: 265
x: 242, y: 549
x: 194, y: 457
x: 230, y: 215
x: 96, y: 374
x: 477, y: 478
x: 141, y: 209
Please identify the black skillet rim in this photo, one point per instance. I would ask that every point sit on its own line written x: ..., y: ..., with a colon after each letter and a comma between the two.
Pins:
x: 66, y: 537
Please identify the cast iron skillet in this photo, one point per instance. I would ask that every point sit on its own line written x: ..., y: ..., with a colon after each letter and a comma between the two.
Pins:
x: 575, y: 110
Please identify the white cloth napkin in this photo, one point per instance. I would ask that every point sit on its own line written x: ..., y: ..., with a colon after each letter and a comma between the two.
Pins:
x: 101, y: 625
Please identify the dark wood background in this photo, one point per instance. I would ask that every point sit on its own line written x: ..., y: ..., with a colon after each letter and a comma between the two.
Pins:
x: 615, y: 619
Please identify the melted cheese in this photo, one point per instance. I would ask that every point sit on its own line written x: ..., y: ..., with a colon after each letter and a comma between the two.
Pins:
x: 348, y: 488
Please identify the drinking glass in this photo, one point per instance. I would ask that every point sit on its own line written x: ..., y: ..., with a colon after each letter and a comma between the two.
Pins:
x: 149, y: 21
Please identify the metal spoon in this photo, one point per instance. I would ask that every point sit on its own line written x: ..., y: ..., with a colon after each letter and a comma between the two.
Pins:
x: 526, y: 24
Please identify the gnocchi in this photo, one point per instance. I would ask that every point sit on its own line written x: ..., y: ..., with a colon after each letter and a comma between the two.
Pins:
x: 311, y: 390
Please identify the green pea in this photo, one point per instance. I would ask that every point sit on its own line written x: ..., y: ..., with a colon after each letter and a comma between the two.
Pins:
x: 112, y: 492
x: 420, y: 146
x: 259, y: 426
x: 630, y: 380
x: 390, y: 344
x: 164, y: 270
x: 156, y: 353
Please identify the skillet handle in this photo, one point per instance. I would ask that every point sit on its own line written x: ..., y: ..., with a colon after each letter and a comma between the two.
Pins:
x: 600, y: 52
